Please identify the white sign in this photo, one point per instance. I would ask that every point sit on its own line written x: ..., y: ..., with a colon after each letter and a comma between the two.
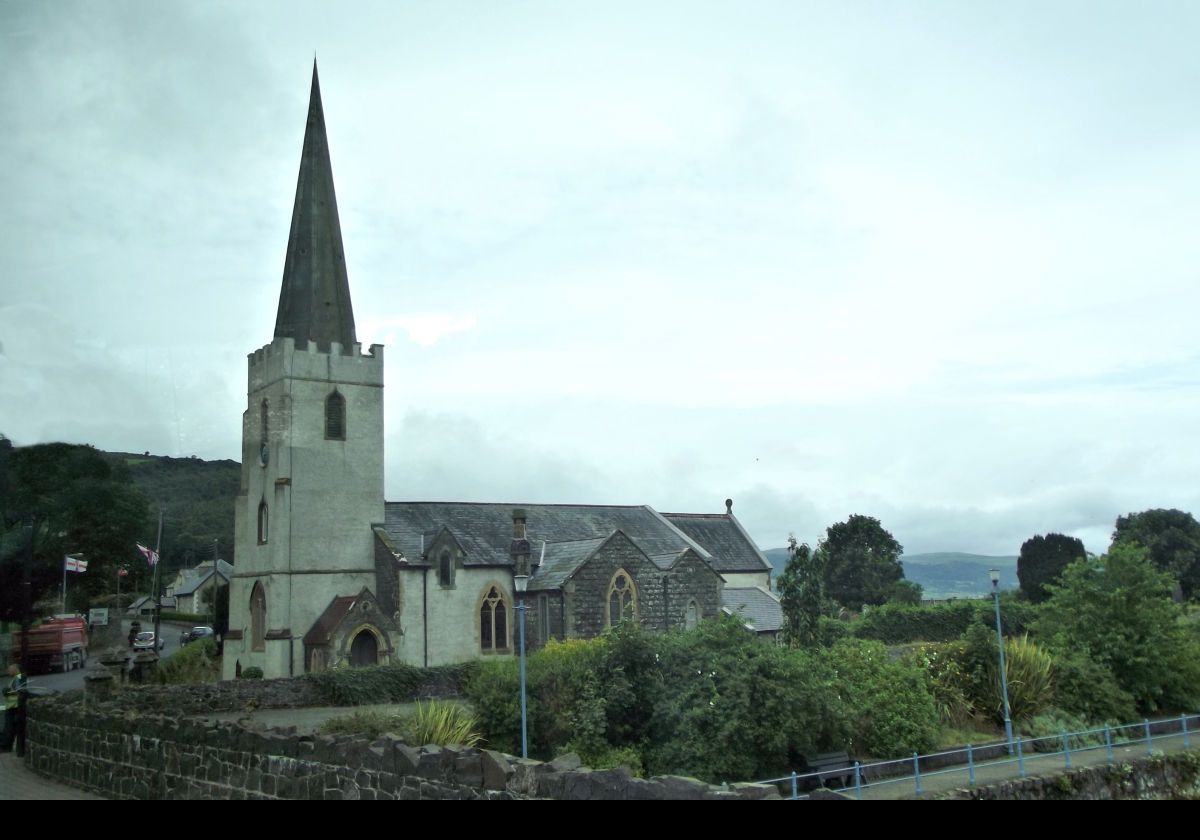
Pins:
x: 98, y: 616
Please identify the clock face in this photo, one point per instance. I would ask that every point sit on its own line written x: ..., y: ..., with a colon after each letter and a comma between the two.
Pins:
x: 264, y: 455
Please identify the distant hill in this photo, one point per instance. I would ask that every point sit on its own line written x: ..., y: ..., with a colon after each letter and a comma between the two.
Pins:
x: 197, y: 498
x: 943, y: 574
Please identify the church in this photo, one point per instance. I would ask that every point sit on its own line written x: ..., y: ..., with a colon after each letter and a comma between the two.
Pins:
x: 328, y: 574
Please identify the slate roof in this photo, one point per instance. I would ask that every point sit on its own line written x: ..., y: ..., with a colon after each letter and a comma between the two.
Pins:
x: 759, y: 608
x: 193, y: 579
x: 571, y: 534
x: 324, y: 626
x: 731, y: 547
x: 485, y: 530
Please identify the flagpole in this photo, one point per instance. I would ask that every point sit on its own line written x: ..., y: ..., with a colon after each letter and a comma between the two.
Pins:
x: 157, y: 597
x: 64, y: 589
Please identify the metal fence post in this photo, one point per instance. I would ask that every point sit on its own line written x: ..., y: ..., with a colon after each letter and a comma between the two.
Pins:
x: 1108, y: 742
x: 1066, y: 744
x: 1183, y: 726
x: 857, y: 780
x: 971, y: 765
x: 1149, y: 740
x: 1020, y: 758
x: 917, y: 773
x: 795, y: 791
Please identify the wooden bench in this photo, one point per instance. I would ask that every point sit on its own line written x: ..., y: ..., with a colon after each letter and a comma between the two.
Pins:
x: 831, y: 766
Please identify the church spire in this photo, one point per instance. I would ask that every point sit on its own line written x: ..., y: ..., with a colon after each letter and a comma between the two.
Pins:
x: 314, y: 303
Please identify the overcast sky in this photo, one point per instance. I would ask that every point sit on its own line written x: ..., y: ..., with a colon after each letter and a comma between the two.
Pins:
x: 930, y: 262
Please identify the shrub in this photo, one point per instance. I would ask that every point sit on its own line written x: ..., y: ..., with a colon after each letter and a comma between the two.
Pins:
x: 1050, y: 725
x: 199, y: 662
x: 435, y: 722
x: 1029, y: 668
x: 441, y: 723
x: 252, y: 673
x: 889, y: 703
x: 896, y: 624
x: 1087, y: 689
x: 944, y: 665
x: 397, y: 683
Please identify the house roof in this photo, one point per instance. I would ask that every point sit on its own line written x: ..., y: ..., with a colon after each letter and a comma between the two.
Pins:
x: 193, y: 579
x: 731, y: 547
x: 758, y: 607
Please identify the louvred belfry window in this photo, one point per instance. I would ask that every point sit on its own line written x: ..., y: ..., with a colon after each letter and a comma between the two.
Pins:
x: 335, y: 417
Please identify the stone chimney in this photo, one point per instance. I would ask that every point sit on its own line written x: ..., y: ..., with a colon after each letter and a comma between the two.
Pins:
x: 729, y: 507
x: 519, y: 548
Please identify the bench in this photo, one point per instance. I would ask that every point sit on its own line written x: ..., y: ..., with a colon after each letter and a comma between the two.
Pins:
x: 831, y: 766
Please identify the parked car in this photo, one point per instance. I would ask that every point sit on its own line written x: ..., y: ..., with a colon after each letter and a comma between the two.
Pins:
x: 194, y: 634
x: 145, y: 641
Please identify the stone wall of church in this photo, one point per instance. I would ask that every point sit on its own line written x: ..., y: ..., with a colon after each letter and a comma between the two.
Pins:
x: 692, y: 579
x: 587, y: 591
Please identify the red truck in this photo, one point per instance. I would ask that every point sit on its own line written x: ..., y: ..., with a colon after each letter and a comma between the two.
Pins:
x: 55, y: 644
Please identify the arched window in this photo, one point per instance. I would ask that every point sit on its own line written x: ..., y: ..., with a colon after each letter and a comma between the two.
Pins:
x: 263, y: 523
x: 692, y: 616
x: 258, y: 617
x: 446, y: 570
x: 335, y: 417
x: 264, y: 426
x: 493, y: 622
x: 622, y: 598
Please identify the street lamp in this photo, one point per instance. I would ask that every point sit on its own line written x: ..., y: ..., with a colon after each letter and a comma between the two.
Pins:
x: 1008, y: 733
x: 522, y: 583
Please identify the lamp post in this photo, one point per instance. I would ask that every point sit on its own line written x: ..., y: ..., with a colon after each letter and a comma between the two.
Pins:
x: 522, y: 583
x: 1008, y: 733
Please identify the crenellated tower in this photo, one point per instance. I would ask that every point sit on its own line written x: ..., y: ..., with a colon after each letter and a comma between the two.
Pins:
x: 312, y: 442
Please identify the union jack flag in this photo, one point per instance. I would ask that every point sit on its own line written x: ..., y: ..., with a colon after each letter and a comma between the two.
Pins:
x: 150, y: 554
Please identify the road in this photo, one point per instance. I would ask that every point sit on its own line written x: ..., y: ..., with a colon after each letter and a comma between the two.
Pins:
x: 74, y: 679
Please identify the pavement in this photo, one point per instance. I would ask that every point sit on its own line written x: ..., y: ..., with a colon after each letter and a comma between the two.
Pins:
x: 1035, y: 764
x: 18, y: 783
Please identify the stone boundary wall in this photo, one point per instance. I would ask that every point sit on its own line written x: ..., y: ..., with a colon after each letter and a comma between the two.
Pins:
x: 123, y: 755
x: 1175, y: 776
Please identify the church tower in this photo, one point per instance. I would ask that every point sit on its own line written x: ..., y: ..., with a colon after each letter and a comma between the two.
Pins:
x: 312, y: 442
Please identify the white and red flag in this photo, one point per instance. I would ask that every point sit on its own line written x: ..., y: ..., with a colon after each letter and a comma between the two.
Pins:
x: 74, y: 564
x: 150, y: 554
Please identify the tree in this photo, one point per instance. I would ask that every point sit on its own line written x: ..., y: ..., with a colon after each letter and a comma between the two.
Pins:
x: 66, y: 499
x: 861, y: 562
x: 1043, y: 560
x: 802, y: 596
x: 1117, y: 610
x: 1172, y: 538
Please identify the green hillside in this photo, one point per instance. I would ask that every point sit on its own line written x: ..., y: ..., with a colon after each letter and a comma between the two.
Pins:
x: 197, y: 500
x: 943, y: 574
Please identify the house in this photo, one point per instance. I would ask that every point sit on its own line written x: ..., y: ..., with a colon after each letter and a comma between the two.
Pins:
x: 191, y: 588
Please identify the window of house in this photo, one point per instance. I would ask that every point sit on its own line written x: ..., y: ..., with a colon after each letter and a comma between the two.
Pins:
x: 258, y: 617
x: 493, y: 622
x: 263, y: 523
x: 335, y: 417
x: 692, y: 616
x: 622, y: 598
x: 446, y: 569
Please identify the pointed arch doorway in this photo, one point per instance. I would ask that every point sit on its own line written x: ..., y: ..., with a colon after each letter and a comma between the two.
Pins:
x: 364, y: 650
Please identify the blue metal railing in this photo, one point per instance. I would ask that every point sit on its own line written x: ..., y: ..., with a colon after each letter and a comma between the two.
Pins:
x: 1069, y: 745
